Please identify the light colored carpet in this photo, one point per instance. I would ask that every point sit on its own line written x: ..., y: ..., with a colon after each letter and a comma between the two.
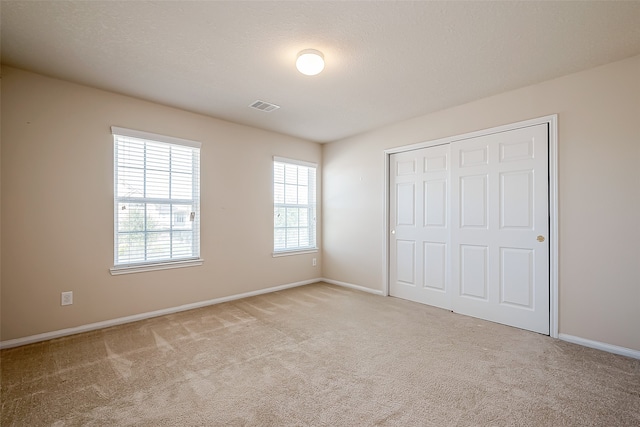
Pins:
x: 317, y: 355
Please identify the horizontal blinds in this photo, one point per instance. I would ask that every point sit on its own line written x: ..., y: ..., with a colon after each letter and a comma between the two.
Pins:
x: 157, y: 199
x: 294, y: 191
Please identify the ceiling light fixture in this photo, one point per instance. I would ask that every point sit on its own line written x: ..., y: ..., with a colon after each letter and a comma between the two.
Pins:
x: 310, y: 62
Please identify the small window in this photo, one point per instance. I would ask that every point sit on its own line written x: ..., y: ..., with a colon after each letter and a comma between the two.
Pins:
x: 157, y: 201
x: 294, y: 206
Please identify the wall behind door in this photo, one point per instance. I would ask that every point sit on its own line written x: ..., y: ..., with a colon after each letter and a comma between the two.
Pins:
x: 599, y: 193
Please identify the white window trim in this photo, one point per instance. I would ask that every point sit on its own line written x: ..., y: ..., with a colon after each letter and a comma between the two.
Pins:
x: 163, y: 265
x: 129, y: 269
x: 310, y: 250
x: 295, y: 162
x: 154, y: 137
x: 295, y: 252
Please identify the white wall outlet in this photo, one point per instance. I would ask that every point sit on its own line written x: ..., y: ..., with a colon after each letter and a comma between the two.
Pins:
x: 67, y: 298
x: 314, y: 262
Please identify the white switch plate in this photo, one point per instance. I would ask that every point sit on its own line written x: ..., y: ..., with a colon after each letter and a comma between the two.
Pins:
x: 313, y: 262
x: 66, y: 298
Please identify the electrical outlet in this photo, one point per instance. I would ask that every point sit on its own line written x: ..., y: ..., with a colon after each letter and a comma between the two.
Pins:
x: 66, y: 298
x: 313, y: 262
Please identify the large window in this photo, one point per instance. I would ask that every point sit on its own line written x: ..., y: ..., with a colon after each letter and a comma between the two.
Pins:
x: 157, y: 201
x: 294, y: 206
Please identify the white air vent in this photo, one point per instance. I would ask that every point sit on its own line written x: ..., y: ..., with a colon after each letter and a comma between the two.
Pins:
x: 264, y: 106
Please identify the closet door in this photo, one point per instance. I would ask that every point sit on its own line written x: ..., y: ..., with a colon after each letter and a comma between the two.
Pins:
x: 500, y: 227
x: 419, y: 267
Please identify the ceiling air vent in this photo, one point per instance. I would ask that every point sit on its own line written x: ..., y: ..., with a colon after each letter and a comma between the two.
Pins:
x: 264, y: 106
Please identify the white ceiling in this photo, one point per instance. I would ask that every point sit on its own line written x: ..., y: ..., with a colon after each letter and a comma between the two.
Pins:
x: 385, y: 61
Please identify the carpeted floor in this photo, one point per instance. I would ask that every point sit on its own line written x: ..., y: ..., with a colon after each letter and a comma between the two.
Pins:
x: 317, y: 355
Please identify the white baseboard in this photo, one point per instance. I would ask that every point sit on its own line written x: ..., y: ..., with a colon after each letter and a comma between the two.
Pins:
x: 134, y: 318
x: 352, y: 286
x: 623, y: 351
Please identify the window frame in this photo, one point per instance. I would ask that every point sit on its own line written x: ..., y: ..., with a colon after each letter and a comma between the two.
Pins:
x: 311, y: 205
x: 195, y: 200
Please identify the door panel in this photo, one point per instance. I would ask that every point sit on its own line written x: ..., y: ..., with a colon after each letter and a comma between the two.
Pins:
x: 473, y: 156
x: 435, y: 203
x: 473, y: 201
x: 405, y: 259
x: 516, y: 200
x: 516, y: 277
x: 406, y: 203
x: 473, y: 271
x: 500, y: 270
x: 435, y: 263
x: 419, y: 220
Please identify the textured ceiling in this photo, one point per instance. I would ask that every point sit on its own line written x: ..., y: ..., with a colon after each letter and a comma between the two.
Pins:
x: 385, y: 61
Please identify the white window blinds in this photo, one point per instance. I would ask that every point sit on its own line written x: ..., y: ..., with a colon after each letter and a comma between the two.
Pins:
x: 294, y: 207
x: 157, y: 198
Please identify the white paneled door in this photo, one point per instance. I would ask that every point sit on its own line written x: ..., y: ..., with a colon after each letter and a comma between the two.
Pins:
x: 419, y: 244
x: 499, y: 237
x: 473, y: 236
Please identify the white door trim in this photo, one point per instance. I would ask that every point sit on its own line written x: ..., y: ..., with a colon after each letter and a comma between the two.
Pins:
x: 552, y: 122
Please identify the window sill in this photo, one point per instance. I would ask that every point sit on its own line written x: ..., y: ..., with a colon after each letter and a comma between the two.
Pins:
x: 129, y: 269
x: 294, y: 252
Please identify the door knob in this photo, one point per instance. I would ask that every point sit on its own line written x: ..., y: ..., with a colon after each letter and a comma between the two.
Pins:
x: 393, y: 231
x: 540, y: 238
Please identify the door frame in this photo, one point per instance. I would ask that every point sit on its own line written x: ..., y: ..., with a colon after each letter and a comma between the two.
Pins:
x: 552, y: 122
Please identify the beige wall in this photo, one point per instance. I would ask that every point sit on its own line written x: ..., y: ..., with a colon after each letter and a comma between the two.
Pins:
x: 57, y: 189
x: 599, y: 193
x: 57, y: 207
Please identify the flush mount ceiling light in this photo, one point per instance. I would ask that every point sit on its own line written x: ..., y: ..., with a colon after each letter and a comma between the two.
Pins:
x: 310, y: 62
